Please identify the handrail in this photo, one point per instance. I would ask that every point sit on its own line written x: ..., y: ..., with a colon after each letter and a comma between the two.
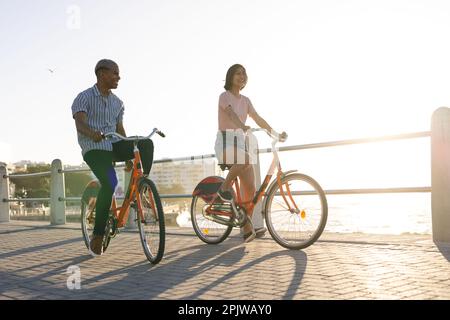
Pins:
x: 25, y: 199
x: 28, y: 175
x: 404, y: 136
x: 338, y: 143
x: 192, y: 158
x: 368, y: 191
x: 440, y: 184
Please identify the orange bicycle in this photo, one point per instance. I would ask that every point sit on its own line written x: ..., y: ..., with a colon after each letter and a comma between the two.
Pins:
x: 142, y: 196
x: 295, y: 207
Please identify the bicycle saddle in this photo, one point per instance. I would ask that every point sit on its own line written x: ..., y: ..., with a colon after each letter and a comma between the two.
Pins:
x: 224, y: 167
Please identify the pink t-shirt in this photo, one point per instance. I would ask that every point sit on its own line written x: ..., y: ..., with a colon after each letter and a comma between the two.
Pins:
x: 242, y: 106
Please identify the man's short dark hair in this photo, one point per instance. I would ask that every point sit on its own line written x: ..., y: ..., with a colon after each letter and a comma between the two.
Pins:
x: 104, y: 64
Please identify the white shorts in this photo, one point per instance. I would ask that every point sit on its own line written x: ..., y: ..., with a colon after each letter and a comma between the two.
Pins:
x: 236, y: 147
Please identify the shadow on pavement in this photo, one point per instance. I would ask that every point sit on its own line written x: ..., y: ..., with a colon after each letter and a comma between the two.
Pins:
x: 444, y: 248
x: 38, y: 284
x: 139, y: 283
x: 38, y: 248
x: 300, y: 259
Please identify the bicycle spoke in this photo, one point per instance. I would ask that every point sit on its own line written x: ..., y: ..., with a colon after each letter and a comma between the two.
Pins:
x: 207, y: 230
x: 282, y: 204
x: 296, y: 228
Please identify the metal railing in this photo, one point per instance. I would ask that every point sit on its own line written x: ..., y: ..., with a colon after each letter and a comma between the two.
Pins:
x: 263, y: 150
x: 338, y: 143
x: 57, y: 173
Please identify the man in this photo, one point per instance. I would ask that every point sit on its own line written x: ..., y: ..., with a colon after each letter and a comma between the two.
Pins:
x: 96, y: 111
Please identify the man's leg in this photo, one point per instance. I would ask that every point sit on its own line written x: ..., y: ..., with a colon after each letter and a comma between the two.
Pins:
x: 123, y: 150
x: 100, y: 163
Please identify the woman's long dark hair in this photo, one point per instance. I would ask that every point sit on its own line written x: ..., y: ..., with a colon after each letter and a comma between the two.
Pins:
x: 230, y: 74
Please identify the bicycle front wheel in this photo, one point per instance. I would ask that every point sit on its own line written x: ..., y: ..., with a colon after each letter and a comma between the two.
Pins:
x: 87, y: 221
x: 296, y: 215
x: 151, y: 222
x: 206, y: 229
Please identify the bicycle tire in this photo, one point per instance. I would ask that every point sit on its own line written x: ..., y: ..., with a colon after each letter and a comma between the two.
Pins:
x: 108, y: 230
x: 203, y: 230
x: 89, y: 192
x: 275, y: 230
x: 153, y: 252
x: 84, y: 226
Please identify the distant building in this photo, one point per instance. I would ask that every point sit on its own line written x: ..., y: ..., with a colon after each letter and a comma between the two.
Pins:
x: 188, y: 174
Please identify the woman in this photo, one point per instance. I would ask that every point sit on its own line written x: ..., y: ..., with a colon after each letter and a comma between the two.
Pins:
x: 230, y: 142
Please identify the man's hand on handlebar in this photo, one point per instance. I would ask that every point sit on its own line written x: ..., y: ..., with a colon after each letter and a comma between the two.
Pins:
x: 97, y: 136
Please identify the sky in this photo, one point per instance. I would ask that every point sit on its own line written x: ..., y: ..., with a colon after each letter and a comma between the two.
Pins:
x: 320, y: 70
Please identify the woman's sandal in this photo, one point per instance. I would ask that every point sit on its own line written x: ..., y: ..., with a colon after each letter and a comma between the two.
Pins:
x: 249, y: 236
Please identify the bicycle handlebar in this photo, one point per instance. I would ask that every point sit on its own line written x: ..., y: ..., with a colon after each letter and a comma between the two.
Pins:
x: 132, y: 138
x: 271, y: 133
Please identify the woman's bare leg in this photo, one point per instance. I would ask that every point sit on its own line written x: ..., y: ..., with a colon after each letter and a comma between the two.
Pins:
x: 247, y: 184
x: 235, y: 171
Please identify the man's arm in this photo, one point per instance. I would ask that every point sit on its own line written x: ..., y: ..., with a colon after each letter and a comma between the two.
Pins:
x: 83, y: 128
x: 120, y: 129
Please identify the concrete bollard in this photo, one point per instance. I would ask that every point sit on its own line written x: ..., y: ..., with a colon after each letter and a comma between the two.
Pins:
x: 4, y: 194
x: 57, y: 191
x: 440, y: 175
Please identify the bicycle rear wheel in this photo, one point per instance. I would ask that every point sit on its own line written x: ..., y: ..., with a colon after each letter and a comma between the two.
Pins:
x: 151, y: 222
x: 207, y: 230
x: 301, y: 226
x: 88, y: 224
x: 88, y: 201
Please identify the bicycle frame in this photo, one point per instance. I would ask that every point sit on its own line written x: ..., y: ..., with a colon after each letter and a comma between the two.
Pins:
x: 250, y: 205
x: 121, y: 213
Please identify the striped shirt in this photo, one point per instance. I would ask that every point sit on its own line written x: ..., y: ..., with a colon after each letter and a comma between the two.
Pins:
x: 103, y: 114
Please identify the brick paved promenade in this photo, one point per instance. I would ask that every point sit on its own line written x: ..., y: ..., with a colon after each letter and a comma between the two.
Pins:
x: 34, y: 258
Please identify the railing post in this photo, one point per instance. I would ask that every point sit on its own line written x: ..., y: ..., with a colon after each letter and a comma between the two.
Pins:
x: 440, y: 175
x: 57, y: 191
x: 4, y: 194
